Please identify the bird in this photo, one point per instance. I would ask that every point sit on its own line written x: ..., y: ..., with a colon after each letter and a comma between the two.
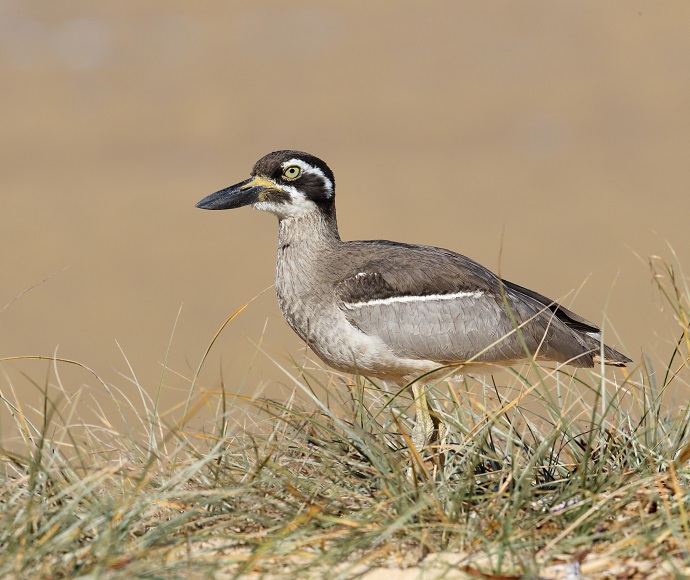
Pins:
x: 395, y: 311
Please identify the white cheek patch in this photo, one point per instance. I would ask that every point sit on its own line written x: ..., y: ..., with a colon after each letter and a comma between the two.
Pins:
x: 298, y: 204
x: 306, y: 168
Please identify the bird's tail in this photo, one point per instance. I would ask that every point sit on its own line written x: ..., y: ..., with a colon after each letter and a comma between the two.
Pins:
x: 611, y: 356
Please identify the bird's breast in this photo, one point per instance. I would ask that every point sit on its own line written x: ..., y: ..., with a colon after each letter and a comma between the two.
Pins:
x: 302, y: 296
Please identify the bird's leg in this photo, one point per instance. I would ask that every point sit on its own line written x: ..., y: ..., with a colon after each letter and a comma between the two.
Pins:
x: 424, y: 425
x: 429, y: 433
x: 440, y: 430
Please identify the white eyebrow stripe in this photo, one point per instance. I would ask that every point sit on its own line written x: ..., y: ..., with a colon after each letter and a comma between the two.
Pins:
x: 407, y: 299
x: 304, y: 166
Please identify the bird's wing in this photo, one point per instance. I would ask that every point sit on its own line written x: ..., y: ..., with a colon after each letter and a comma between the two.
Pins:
x: 442, y: 306
x: 568, y: 317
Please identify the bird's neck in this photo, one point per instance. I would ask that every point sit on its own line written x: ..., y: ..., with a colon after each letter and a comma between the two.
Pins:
x: 307, y: 247
x: 315, y: 228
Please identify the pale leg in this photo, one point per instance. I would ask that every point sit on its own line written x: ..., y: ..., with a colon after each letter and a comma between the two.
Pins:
x: 424, y: 425
x: 429, y: 426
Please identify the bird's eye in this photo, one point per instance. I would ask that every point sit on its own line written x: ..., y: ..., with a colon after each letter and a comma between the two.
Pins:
x: 292, y: 172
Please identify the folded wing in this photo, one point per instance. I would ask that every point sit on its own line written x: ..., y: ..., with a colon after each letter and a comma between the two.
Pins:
x: 444, y: 307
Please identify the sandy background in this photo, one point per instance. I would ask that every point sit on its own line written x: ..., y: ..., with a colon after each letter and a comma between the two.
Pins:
x: 561, y: 128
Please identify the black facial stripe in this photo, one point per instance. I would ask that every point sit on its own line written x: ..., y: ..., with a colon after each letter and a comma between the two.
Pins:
x: 312, y: 186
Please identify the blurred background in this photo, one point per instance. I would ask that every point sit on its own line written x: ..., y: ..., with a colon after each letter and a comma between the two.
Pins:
x: 549, y: 139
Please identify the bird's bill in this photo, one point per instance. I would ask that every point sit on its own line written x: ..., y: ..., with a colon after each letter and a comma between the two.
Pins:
x: 238, y: 195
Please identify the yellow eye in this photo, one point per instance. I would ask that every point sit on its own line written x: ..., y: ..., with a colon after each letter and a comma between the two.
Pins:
x: 292, y: 172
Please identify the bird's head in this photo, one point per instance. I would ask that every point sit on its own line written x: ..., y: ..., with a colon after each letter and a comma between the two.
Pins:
x: 285, y: 183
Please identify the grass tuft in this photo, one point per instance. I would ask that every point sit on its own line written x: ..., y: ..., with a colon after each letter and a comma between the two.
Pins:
x: 552, y: 474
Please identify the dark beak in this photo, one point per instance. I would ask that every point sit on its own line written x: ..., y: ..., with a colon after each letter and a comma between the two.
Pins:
x: 245, y: 193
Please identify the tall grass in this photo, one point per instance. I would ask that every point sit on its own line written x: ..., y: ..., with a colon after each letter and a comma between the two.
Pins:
x: 550, y: 473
